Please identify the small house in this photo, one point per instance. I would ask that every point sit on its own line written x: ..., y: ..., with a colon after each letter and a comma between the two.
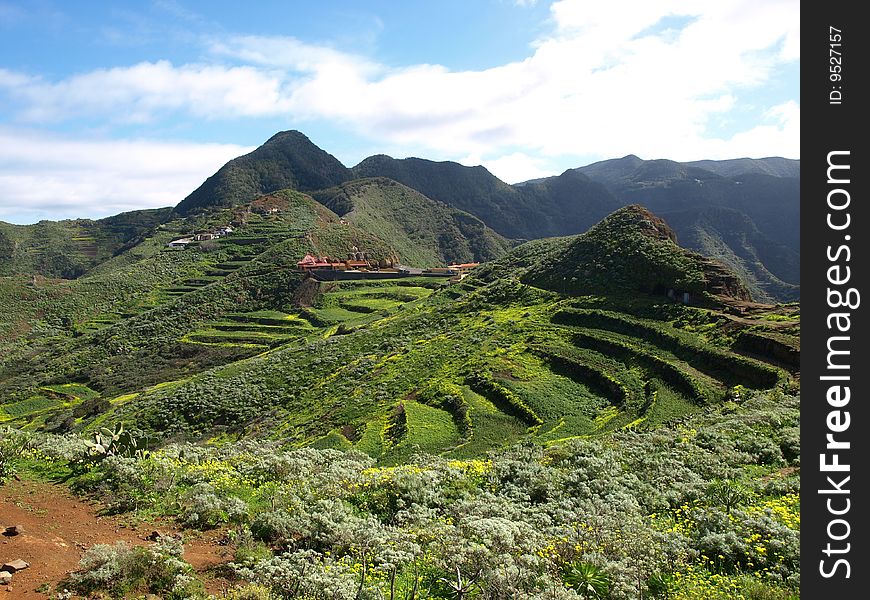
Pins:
x: 310, y: 262
x: 464, y: 267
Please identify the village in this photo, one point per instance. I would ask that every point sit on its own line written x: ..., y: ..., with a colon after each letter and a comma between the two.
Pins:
x: 358, y: 264
x: 203, y: 235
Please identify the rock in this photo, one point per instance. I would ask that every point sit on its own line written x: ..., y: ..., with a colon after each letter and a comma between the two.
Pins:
x: 154, y: 536
x: 15, y: 565
x: 13, y: 530
x: 5, y: 577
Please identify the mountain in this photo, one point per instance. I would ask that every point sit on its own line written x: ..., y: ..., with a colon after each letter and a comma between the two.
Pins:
x: 424, y: 232
x: 631, y: 251
x: 444, y: 430
x: 471, y: 189
x: 744, y: 212
x: 765, y: 248
x: 145, y: 316
x: 227, y: 337
x: 67, y: 249
x: 568, y: 205
x: 774, y: 166
x: 288, y: 160
x: 733, y: 238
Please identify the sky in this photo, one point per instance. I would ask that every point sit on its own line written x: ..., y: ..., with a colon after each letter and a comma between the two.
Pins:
x: 109, y: 106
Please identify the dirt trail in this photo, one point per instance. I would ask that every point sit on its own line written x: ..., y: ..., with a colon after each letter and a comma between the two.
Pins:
x: 58, y: 527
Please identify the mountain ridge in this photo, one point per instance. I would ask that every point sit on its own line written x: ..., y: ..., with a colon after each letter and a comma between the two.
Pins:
x: 764, y: 192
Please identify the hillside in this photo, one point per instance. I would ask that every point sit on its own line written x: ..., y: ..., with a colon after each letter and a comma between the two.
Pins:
x: 568, y: 204
x: 286, y: 160
x: 153, y: 313
x: 774, y: 166
x: 337, y: 363
x: 732, y: 237
x: 67, y: 249
x: 765, y: 250
x: 423, y: 232
x: 631, y: 251
x: 406, y: 433
x: 744, y: 212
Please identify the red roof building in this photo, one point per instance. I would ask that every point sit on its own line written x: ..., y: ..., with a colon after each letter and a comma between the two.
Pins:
x: 314, y: 262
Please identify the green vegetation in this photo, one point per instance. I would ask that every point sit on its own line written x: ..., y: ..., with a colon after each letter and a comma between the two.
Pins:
x: 423, y: 232
x: 554, y: 425
x: 68, y: 249
x: 744, y: 213
x: 287, y: 160
x: 562, y: 205
x: 706, y: 507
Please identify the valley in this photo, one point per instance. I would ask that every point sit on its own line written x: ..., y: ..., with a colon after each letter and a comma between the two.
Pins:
x: 602, y: 414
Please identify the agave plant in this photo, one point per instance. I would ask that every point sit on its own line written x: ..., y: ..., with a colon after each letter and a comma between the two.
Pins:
x: 588, y: 581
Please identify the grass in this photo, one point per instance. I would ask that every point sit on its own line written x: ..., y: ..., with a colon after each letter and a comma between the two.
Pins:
x: 491, y: 428
x: 667, y: 406
x: 241, y: 350
x: 430, y: 430
x: 31, y: 406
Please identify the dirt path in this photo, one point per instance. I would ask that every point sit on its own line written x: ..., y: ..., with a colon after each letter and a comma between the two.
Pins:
x: 58, y: 527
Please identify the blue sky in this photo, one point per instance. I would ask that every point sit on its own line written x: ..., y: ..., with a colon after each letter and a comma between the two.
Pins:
x: 112, y: 106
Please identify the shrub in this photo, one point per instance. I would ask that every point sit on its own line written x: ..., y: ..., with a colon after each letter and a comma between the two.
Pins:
x: 10, y: 450
x: 305, y: 574
x: 204, y: 509
x: 120, y: 571
x: 252, y: 591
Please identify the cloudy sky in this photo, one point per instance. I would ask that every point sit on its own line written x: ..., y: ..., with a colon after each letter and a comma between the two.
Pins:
x: 108, y: 106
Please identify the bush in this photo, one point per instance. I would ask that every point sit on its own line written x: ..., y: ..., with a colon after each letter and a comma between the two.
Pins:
x: 305, y: 574
x: 120, y: 571
x: 10, y: 451
x: 251, y: 591
x: 204, y: 509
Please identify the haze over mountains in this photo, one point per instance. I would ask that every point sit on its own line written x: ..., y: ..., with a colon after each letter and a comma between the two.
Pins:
x: 743, y: 212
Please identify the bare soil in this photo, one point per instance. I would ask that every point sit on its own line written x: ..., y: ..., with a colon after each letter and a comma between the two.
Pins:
x: 57, y: 527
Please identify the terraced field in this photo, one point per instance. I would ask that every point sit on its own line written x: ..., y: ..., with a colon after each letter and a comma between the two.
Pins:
x: 359, y: 302
x: 262, y: 329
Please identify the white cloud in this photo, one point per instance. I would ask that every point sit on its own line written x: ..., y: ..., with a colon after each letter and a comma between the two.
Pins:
x: 515, y: 167
x: 657, y: 79
x: 144, y: 91
x: 44, y: 176
x: 604, y: 82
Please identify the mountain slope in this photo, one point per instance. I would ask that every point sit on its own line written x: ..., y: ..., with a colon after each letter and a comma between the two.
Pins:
x: 423, y: 232
x: 731, y: 237
x: 127, y: 323
x: 750, y: 211
x: 774, y: 166
x: 288, y: 160
x: 631, y: 251
x: 247, y: 347
x: 570, y: 205
x: 67, y: 249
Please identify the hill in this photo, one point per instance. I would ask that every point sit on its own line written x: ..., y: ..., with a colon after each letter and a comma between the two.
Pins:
x: 145, y: 316
x: 732, y: 237
x: 232, y: 339
x: 766, y: 191
x: 287, y: 160
x: 421, y: 426
x: 423, y: 232
x: 774, y: 166
x: 631, y: 251
x: 570, y: 204
x: 744, y: 212
x: 67, y: 249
